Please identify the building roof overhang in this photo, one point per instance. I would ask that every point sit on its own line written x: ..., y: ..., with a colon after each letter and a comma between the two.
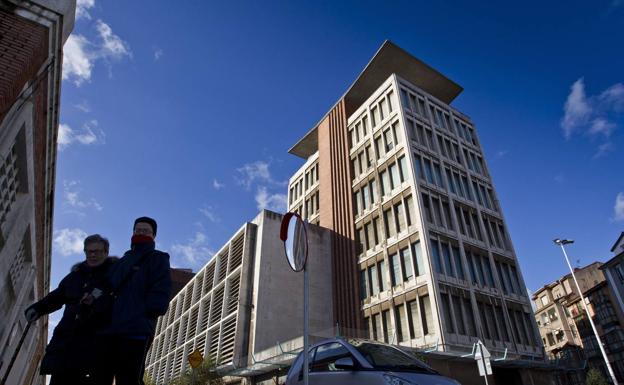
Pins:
x: 617, y: 242
x: 389, y: 59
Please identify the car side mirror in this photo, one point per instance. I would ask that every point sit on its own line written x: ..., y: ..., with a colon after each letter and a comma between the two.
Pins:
x: 345, y: 363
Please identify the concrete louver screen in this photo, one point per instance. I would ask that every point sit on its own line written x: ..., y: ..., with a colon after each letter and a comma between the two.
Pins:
x: 204, y: 315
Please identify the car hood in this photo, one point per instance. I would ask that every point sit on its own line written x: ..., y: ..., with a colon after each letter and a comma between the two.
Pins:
x: 424, y: 379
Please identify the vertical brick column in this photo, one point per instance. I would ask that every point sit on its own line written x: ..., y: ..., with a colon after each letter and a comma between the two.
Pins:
x: 336, y: 213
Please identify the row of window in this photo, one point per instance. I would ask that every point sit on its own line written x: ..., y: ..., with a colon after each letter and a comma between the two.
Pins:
x: 468, y: 222
x: 449, y: 149
x: 362, y: 162
x: 480, y: 268
x: 485, y: 195
x: 463, y: 322
x: 466, y: 132
x: 416, y: 105
x: 397, y: 217
x: 382, y: 108
x: 421, y: 134
x: 359, y: 131
x: 309, y: 180
x: 474, y: 162
x: 496, y: 232
x: 428, y: 170
x: 388, y: 139
x: 458, y: 183
x: 446, y: 258
x: 311, y: 205
x: 393, y: 176
x: 437, y: 211
x: 509, y: 278
x: 405, y: 263
x: 412, y: 319
x: 365, y: 196
x: 441, y: 118
x: 379, y: 111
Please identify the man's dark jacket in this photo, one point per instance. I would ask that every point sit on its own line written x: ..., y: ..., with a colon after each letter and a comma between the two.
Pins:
x: 143, y: 295
x: 71, y: 346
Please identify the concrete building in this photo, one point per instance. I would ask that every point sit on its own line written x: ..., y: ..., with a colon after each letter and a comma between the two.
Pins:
x: 556, y: 324
x: 556, y: 313
x: 32, y: 34
x: 614, y: 271
x: 245, y: 306
x: 422, y: 255
x: 609, y: 321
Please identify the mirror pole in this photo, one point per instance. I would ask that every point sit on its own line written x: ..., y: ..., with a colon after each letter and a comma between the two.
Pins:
x: 306, y: 358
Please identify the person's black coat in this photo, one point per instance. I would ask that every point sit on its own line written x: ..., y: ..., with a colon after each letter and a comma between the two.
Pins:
x: 144, y: 295
x: 72, y: 345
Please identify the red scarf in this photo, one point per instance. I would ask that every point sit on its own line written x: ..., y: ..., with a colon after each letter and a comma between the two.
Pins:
x: 139, y: 239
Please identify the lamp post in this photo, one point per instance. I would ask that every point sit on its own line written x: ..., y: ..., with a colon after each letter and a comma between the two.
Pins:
x: 562, y: 242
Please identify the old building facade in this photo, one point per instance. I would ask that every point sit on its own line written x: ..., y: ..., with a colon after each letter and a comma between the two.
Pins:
x: 32, y: 34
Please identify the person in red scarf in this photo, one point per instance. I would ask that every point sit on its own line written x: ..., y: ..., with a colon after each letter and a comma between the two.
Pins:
x: 141, y: 283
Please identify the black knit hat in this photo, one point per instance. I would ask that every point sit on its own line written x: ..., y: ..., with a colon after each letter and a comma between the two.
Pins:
x: 149, y: 221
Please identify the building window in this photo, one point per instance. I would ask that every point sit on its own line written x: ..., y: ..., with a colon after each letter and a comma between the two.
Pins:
x: 446, y: 309
x: 402, y: 328
x: 413, y: 317
x: 417, y: 254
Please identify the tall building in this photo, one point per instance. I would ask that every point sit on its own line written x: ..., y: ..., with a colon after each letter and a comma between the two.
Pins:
x: 422, y: 255
x: 32, y: 34
x: 244, y: 308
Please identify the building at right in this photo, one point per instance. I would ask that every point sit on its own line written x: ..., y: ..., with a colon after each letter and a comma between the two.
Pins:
x: 421, y: 252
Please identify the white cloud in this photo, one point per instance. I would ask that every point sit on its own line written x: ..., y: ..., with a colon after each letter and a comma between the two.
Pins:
x: 77, y: 61
x: 158, y: 52
x: 209, y: 213
x: 69, y: 241
x: 88, y: 134
x: 83, y: 106
x: 273, y: 202
x: 618, y: 209
x: 604, y: 149
x: 72, y: 197
x: 501, y: 153
x: 217, y: 185
x: 112, y: 46
x: 80, y: 54
x: 82, y: 9
x: 601, y: 126
x: 593, y: 115
x: 576, y: 108
x: 195, y: 252
x: 256, y: 171
x: 613, y: 97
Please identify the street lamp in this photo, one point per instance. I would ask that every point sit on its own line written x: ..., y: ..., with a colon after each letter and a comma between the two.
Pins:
x: 562, y: 242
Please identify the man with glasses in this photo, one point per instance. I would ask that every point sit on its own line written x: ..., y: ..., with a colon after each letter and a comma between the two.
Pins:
x: 141, y: 284
x: 70, y: 356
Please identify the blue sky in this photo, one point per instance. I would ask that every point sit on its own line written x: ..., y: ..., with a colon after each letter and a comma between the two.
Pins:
x: 186, y: 112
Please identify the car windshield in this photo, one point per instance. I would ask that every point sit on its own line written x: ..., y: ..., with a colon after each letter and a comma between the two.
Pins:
x: 386, y: 357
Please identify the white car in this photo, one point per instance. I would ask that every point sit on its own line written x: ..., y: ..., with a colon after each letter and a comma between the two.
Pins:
x: 362, y: 362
